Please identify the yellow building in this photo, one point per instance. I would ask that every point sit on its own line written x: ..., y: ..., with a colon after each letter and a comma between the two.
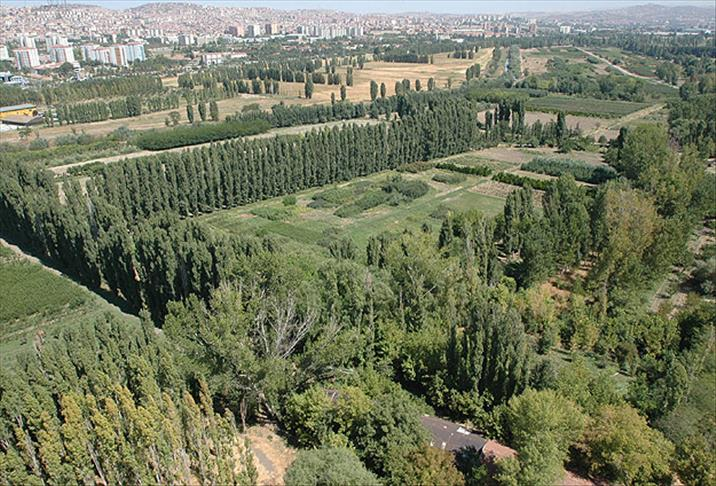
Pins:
x: 21, y: 110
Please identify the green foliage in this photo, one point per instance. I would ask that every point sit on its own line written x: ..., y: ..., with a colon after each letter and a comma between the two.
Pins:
x: 619, y: 446
x: 480, y: 170
x: 580, y: 170
x: 329, y: 467
x: 183, y: 136
x: 449, y: 178
x: 522, y: 181
x: 572, y: 105
x: 542, y: 425
x: 273, y: 214
x: 49, y: 292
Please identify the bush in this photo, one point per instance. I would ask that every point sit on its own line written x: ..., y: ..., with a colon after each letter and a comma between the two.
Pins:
x: 39, y: 144
x: 409, y: 189
x: 521, y: 181
x: 479, y: 170
x: 289, y: 200
x: 329, y: 466
x: 582, y: 171
x: 192, y: 135
x: 449, y: 178
x: 273, y: 214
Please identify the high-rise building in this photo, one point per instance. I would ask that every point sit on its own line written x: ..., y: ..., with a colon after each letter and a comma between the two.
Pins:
x: 565, y: 29
x: 118, y: 55
x: 134, y: 51
x: 4, y: 54
x: 27, y: 41
x: 187, y: 39
x: 27, y: 57
x: 271, y: 29
x: 235, y: 30
x: 61, y: 53
x: 55, y: 40
x: 253, y: 30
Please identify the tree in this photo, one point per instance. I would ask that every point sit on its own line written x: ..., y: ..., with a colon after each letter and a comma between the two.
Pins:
x: 214, y: 111
x: 329, y: 467
x: 383, y: 90
x: 202, y: 111
x: 431, y: 84
x: 308, y: 88
x: 190, y: 113
x: 429, y: 465
x: 343, y: 92
x: 174, y: 117
x: 619, y: 446
x: 542, y: 426
x: 373, y: 90
x: 418, y: 85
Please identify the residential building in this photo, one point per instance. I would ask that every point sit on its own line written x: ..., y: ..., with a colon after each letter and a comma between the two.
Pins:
x: 253, y: 30
x: 27, y: 57
x: 187, y: 39
x: 235, y: 30
x: 271, y: 29
x: 565, y: 29
x: 4, y: 54
x: 211, y: 58
x: 61, y: 53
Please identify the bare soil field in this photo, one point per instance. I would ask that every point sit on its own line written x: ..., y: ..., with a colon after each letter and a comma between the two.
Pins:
x: 586, y: 123
x: 442, y: 70
x: 533, y: 64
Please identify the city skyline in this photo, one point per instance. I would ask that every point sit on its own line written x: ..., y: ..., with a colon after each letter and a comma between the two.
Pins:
x: 395, y: 7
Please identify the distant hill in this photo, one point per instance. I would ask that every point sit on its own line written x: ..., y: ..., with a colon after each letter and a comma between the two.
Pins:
x: 680, y: 16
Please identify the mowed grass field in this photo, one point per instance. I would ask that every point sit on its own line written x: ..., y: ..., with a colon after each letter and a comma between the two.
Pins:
x: 309, y: 226
x: 584, y: 106
x: 33, y: 298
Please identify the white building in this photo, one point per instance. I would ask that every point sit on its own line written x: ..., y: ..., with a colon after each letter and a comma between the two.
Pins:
x: 253, y: 30
x: 565, y: 29
x: 187, y: 39
x: 27, y: 57
x: 55, y: 40
x: 211, y: 58
x: 4, y: 54
x: 61, y: 53
x: 118, y: 55
x: 134, y: 51
x: 27, y: 41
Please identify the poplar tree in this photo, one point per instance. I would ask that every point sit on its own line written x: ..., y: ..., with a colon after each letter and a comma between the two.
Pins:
x: 373, y: 90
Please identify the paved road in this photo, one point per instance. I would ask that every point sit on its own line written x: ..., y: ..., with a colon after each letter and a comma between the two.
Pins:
x: 62, y: 169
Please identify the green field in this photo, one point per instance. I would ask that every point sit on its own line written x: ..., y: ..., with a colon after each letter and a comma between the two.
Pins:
x: 32, y: 297
x: 641, y: 65
x: 584, y: 106
x: 314, y: 226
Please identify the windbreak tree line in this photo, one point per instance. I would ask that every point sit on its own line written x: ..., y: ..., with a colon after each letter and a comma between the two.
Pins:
x: 101, y: 88
x: 93, y: 111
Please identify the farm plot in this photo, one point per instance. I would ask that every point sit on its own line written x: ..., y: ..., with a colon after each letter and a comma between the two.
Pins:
x: 33, y: 298
x: 313, y: 222
x: 584, y: 106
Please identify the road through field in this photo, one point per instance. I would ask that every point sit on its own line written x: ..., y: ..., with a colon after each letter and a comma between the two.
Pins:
x: 620, y: 122
x: 62, y: 169
x: 622, y: 70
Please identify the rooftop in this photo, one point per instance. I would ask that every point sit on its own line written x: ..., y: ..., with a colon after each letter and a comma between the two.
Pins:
x: 450, y: 436
x: 26, y: 106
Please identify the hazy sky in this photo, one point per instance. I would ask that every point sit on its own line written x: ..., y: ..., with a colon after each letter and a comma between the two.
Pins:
x: 369, y: 6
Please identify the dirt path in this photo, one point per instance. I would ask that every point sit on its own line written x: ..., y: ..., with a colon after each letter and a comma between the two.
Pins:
x: 619, y: 122
x: 622, y: 70
x: 62, y: 169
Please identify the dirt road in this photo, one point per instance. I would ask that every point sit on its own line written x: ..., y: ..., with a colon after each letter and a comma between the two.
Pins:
x: 622, y: 70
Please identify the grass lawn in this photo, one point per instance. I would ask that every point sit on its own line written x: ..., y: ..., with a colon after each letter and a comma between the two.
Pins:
x: 32, y: 298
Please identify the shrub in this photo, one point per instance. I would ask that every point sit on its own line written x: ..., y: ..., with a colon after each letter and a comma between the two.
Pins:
x: 329, y: 466
x: 192, y: 135
x: 449, y: 178
x: 289, y: 200
x: 409, y: 189
x: 273, y: 214
x: 479, y: 170
x: 582, y: 171
x: 39, y: 144
x: 521, y: 181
